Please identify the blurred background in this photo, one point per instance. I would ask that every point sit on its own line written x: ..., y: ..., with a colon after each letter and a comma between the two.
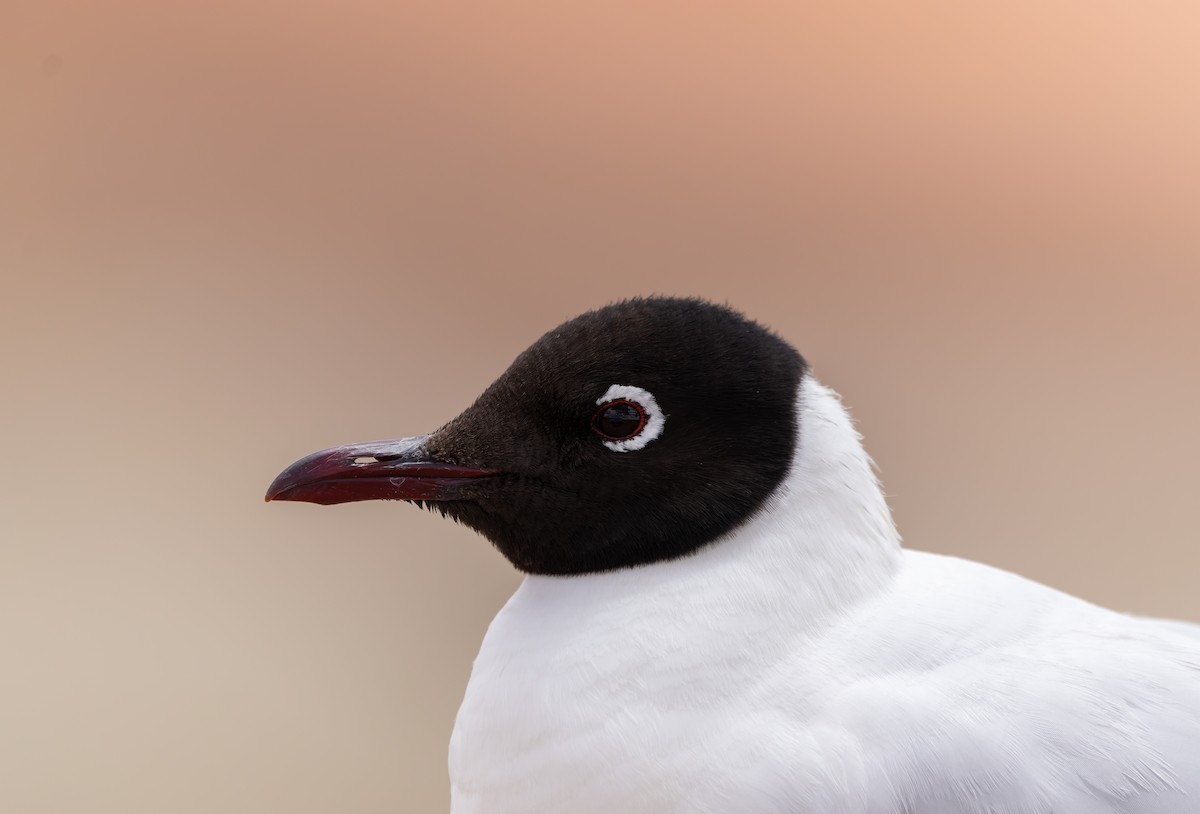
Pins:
x: 233, y: 233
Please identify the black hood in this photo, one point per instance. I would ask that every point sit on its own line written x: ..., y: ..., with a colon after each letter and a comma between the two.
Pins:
x: 632, y: 434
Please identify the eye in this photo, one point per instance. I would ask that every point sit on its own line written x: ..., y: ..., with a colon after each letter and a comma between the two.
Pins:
x: 619, y: 420
x: 628, y: 418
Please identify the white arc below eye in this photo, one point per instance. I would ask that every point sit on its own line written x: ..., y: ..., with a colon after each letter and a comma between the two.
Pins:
x: 654, y: 416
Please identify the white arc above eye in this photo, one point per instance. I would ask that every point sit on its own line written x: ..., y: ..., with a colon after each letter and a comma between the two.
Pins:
x: 628, y: 418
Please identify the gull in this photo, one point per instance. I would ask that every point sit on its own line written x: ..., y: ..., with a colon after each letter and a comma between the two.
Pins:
x: 718, y: 617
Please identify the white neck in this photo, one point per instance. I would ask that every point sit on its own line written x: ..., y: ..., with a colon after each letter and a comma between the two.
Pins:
x: 823, y: 541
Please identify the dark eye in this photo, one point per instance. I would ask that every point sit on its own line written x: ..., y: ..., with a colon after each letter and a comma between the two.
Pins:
x: 618, y: 420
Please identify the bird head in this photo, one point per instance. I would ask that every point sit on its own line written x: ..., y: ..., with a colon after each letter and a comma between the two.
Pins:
x: 635, y: 433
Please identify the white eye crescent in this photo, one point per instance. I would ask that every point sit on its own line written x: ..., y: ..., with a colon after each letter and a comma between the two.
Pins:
x: 628, y: 418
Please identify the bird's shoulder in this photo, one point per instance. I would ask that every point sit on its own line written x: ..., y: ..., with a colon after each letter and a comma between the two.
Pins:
x: 966, y: 688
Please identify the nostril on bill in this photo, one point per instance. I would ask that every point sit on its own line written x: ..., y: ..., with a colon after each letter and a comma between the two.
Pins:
x: 366, y: 460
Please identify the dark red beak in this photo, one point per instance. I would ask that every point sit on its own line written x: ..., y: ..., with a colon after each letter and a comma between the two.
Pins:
x: 375, y: 470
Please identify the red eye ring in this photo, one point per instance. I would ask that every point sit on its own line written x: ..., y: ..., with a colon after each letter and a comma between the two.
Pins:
x: 598, y: 418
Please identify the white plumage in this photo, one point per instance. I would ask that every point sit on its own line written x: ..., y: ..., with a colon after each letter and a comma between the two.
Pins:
x: 806, y: 664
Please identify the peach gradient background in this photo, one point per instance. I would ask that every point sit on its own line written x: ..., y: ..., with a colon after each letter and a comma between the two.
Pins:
x: 231, y: 233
